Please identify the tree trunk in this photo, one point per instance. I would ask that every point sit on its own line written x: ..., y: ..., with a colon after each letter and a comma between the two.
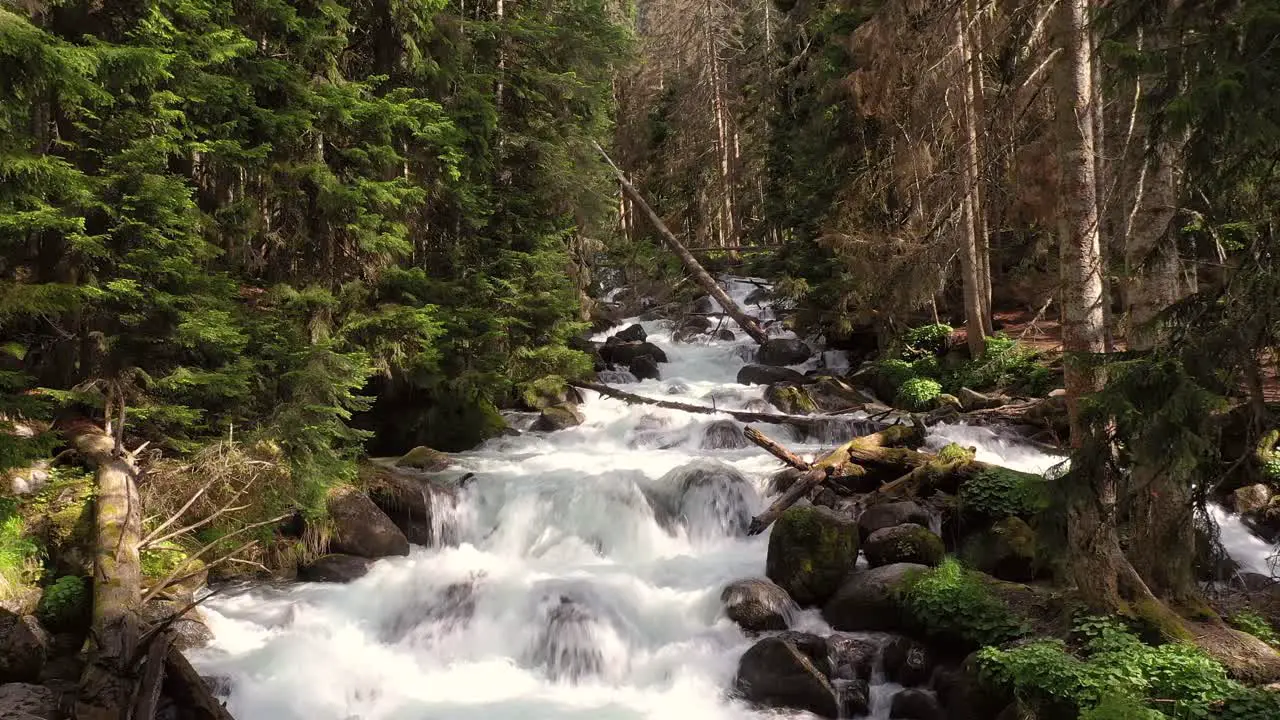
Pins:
x: 107, y: 683
x: 748, y: 324
x: 977, y: 111
x: 970, y: 260
x: 1162, y: 546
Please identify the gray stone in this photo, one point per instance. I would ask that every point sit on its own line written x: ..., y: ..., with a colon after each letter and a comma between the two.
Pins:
x: 767, y: 375
x: 558, y: 417
x: 789, y: 671
x: 783, y: 351
x: 868, y: 600
x: 916, y: 704
x: 24, y: 701
x: 757, y: 604
x: 906, y: 543
x: 24, y: 645
x: 886, y: 515
x: 360, y: 528
x: 633, y: 333
x: 335, y: 568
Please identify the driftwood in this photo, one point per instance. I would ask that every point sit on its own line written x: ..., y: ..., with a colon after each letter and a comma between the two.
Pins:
x: 775, y: 449
x: 188, y: 690
x: 806, y: 421
x: 831, y: 464
x: 749, y: 324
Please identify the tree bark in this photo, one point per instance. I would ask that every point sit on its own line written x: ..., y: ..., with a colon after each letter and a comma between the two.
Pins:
x: 977, y: 107
x: 775, y: 449
x: 970, y: 260
x: 748, y: 324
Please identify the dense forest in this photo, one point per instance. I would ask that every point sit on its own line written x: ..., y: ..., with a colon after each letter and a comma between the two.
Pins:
x: 279, y: 281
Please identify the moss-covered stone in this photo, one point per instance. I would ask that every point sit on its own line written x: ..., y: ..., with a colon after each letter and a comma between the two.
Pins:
x: 60, y: 518
x: 790, y: 399
x: 947, y: 401
x: 545, y: 392
x: 1008, y: 550
x: 811, y: 550
x: 424, y: 458
x: 906, y: 543
x: 996, y: 493
x: 954, y: 452
x: 558, y: 417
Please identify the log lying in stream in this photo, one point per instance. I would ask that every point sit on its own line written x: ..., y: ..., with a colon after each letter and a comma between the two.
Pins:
x: 748, y: 323
x: 805, y: 421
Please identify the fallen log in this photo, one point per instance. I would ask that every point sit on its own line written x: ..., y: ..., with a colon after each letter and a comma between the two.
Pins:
x: 807, y: 421
x: 749, y: 324
x: 775, y: 449
x: 189, y: 691
x: 840, y: 459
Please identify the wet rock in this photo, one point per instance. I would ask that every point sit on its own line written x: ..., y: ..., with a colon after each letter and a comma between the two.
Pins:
x: 907, y: 662
x: 1251, y: 498
x: 790, y: 399
x: 886, y: 515
x: 622, y: 353
x: 425, y: 459
x: 868, y: 600
x: 726, y: 335
x: 971, y: 400
x: 24, y: 646
x: 419, y: 506
x: 906, y: 543
x: 425, y: 617
x: 788, y: 671
x: 723, y: 435
x: 697, y: 324
x: 335, y: 568
x: 759, y: 296
x: 855, y: 697
x: 811, y: 550
x: 711, y: 498
x: 853, y: 655
x: 766, y: 375
x: 757, y: 604
x: 706, y: 304
x: 24, y: 701
x: 963, y: 694
x: 784, y: 479
x: 190, y: 631
x: 1007, y: 550
x: 831, y: 394
x: 360, y: 528
x: 633, y: 333
x: 645, y: 368
x: 677, y: 388
x: 567, y: 648
x: 558, y: 417
x: 916, y: 704
x: 616, y: 377
x: 783, y: 351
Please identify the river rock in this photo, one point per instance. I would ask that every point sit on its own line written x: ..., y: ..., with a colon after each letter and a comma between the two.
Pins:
x: 853, y: 655
x: 831, y: 394
x: 971, y: 400
x: 811, y: 550
x: 711, y: 498
x: 558, y: 417
x: 633, y: 333
x: 1007, y: 550
x: 965, y: 696
x: 723, y: 435
x: 867, y: 600
x: 887, y: 515
x: 725, y: 335
x: 645, y: 368
x: 907, y: 662
x: 24, y: 701
x: 622, y: 353
x: 335, y: 568
x: 784, y: 479
x: 783, y: 351
x: 790, y: 399
x: 360, y: 528
x: 767, y: 375
x: 414, y: 503
x: 1251, y: 497
x: 759, y: 296
x: 906, y: 543
x: 916, y: 704
x: 425, y: 459
x: 24, y: 645
x: 697, y: 324
x: 191, y: 631
x: 789, y: 671
x: 757, y: 604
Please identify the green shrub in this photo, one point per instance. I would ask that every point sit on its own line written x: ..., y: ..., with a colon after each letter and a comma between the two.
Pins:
x: 1257, y: 626
x: 927, y: 340
x: 1269, y: 455
x: 895, y: 372
x: 954, y: 452
x: 998, y: 492
x: 19, y: 554
x: 64, y: 604
x: 917, y: 394
x: 928, y: 367
x: 1250, y: 704
x: 1004, y: 364
x: 956, y: 604
x: 1111, y: 671
x: 543, y: 392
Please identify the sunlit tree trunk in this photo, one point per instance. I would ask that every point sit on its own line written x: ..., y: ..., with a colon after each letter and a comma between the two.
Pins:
x: 971, y: 260
x: 977, y: 105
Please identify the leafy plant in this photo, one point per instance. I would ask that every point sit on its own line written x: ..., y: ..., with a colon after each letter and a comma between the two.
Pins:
x: 917, y: 393
x: 64, y: 604
x: 1257, y: 626
x: 998, y: 492
x: 19, y: 554
x: 954, y: 603
x: 926, y: 341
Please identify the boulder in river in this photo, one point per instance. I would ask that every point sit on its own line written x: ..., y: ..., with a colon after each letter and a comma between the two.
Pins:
x: 723, y: 435
x: 416, y: 504
x: 726, y: 335
x: 831, y: 394
x: 790, y: 398
x: 768, y: 375
x: 335, y: 568
x: 811, y: 550
x: 632, y: 333
x: 886, y: 515
x: 645, y: 368
x: 916, y: 704
x: 757, y: 604
x: 789, y: 671
x: 425, y: 459
x: 24, y: 701
x: 1007, y: 550
x: 1251, y: 497
x: 558, y: 417
x: 906, y: 543
x: 710, y: 498
x: 190, y: 631
x: 783, y: 351
x: 906, y: 661
x: 868, y: 600
x: 24, y: 645
x: 361, y: 528
x: 622, y: 353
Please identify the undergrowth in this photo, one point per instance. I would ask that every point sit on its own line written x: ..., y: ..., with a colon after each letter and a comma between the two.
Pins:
x: 1006, y: 365
x: 20, y: 556
x: 952, y: 603
x: 1257, y: 626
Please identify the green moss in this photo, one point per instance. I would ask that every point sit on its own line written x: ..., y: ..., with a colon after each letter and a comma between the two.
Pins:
x: 918, y: 394
x: 997, y: 493
x: 544, y: 392
x: 1008, y: 550
x: 954, y: 452
x: 811, y: 550
x: 424, y: 458
x: 791, y: 399
x: 904, y: 543
x: 64, y: 606
x: 1269, y: 455
x: 20, y: 555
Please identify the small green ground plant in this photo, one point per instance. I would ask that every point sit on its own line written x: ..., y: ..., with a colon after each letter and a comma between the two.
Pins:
x: 953, y: 603
x: 1257, y: 626
x: 64, y: 604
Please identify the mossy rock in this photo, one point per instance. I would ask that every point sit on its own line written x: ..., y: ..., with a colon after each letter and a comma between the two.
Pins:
x: 947, y: 401
x: 954, y: 452
x: 995, y: 493
x: 65, y: 605
x: 811, y: 550
x: 424, y: 458
x: 558, y: 417
x: 60, y: 518
x: 1008, y: 550
x: 906, y: 543
x: 790, y: 399
x: 545, y: 392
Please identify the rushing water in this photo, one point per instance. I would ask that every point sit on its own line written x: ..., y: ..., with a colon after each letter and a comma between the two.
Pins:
x: 584, y: 582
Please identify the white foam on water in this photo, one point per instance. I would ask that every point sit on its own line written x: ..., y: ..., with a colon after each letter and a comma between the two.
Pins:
x: 584, y: 582
x: 1250, y: 552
